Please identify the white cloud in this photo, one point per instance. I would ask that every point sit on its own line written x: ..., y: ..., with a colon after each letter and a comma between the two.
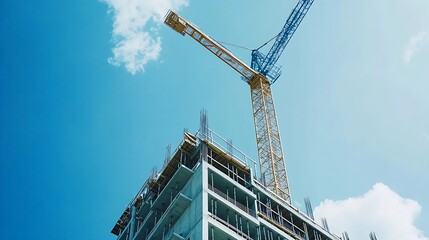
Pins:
x: 416, y: 43
x: 137, y: 43
x: 380, y: 210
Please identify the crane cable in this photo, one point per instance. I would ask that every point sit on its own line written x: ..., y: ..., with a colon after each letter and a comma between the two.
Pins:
x: 246, y: 48
x: 234, y: 45
x: 266, y: 42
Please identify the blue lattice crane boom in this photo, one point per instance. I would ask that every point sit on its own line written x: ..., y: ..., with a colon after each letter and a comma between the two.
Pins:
x: 260, y: 75
x: 265, y: 64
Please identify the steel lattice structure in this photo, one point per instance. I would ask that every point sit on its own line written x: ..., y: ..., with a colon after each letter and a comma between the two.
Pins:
x: 270, y: 151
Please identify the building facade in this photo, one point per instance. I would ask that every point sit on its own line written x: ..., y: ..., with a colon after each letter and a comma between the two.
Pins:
x: 210, y: 190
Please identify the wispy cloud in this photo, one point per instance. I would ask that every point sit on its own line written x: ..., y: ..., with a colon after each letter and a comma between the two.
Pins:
x: 135, y: 30
x: 425, y: 136
x: 416, y: 43
x: 380, y: 210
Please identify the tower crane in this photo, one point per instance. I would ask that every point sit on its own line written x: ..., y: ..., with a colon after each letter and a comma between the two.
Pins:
x: 260, y: 75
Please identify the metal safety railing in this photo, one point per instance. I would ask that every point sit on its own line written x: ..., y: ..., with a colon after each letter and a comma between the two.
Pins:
x: 278, y: 219
x: 242, y: 234
x: 232, y: 200
x: 231, y: 174
x: 223, y: 144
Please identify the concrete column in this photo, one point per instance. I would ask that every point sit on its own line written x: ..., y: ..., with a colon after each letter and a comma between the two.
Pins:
x: 205, y: 203
x: 133, y: 222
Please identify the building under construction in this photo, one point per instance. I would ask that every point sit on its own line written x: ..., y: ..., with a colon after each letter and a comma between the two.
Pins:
x: 208, y: 189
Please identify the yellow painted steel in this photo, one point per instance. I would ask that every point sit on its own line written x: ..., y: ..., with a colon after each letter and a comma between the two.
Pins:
x: 270, y: 153
x: 185, y: 28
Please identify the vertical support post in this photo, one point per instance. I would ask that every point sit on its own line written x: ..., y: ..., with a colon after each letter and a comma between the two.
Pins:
x: 291, y: 220
x: 133, y: 222
x: 163, y: 233
x: 316, y: 235
x: 265, y: 232
x: 205, y: 233
x: 203, y: 152
x: 204, y: 125
x: 258, y: 232
x: 306, y: 232
x: 236, y: 221
x: 241, y: 224
x: 230, y: 148
x: 256, y: 171
x: 258, y: 205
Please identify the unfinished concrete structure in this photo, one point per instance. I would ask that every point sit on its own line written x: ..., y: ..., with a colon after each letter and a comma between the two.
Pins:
x: 208, y: 189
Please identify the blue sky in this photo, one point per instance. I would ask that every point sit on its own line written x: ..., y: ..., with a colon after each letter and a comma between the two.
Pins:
x: 79, y: 134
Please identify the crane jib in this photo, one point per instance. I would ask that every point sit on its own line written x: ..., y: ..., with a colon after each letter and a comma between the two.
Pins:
x: 185, y: 28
